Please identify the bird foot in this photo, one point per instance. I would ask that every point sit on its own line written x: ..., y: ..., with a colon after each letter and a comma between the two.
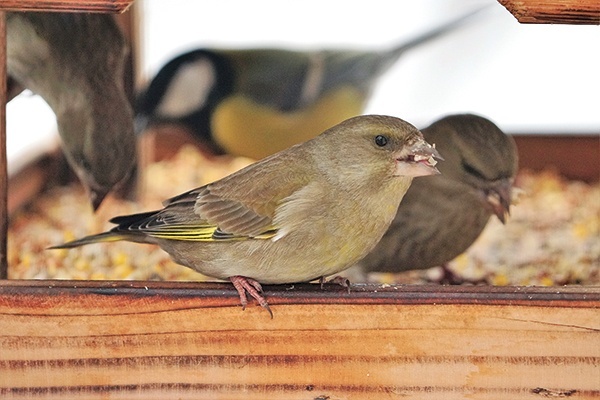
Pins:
x: 450, y: 277
x: 243, y: 284
x: 336, y: 280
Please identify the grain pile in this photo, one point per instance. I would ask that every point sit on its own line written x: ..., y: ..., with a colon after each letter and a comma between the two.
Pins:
x: 551, y: 238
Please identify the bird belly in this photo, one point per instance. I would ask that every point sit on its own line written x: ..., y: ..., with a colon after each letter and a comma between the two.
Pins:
x: 301, y: 256
x: 243, y: 127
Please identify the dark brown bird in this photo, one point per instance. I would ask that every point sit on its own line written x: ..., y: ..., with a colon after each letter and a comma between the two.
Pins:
x: 440, y: 217
x: 76, y: 62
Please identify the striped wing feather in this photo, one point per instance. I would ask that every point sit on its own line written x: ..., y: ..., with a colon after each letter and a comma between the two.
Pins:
x: 238, y: 207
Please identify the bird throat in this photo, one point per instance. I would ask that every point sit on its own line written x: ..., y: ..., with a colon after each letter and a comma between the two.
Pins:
x: 243, y: 127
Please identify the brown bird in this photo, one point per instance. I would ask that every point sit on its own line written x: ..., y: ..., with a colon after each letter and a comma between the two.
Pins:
x: 306, y: 212
x: 440, y: 217
x: 76, y: 62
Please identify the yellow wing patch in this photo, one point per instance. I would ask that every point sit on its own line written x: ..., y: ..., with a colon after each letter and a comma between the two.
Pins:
x: 202, y: 233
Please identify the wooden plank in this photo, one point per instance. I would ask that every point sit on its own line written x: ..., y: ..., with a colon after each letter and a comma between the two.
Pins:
x: 161, y: 340
x: 102, y: 6
x: 575, y: 157
x: 576, y: 12
x: 3, y: 156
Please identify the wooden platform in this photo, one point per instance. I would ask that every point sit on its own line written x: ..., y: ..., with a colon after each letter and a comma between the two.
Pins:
x: 145, y: 340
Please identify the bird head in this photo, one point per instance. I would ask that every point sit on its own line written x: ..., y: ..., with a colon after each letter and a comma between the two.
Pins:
x: 76, y: 63
x: 382, y: 147
x: 185, y: 90
x: 86, y: 91
x: 99, y: 143
x: 479, y: 155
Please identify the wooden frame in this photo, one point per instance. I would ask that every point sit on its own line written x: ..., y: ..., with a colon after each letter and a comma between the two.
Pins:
x: 102, y: 6
x: 576, y: 157
x: 3, y: 158
x: 126, y: 340
x: 575, y: 12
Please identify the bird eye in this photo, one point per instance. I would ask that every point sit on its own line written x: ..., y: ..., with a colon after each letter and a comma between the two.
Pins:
x: 381, y: 140
x: 469, y: 169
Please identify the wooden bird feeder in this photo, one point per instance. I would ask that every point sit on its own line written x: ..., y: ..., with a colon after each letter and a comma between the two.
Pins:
x: 167, y: 340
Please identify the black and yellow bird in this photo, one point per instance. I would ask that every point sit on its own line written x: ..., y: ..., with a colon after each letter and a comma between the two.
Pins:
x: 255, y: 102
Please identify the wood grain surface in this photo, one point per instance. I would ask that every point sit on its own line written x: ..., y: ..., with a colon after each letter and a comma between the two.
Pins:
x: 150, y: 340
x: 574, y: 12
x: 3, y: 157
x: 104, y: 6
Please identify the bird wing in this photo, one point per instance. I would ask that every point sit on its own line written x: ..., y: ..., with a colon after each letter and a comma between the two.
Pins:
x: 240, y: 206
x: 179, y: 221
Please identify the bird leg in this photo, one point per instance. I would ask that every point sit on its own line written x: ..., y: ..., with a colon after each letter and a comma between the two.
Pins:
x: 336, y: 280
x: 450, y: 277
x: 253, y: 287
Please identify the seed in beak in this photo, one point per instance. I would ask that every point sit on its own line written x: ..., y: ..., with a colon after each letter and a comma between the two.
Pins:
x: 427, y: 160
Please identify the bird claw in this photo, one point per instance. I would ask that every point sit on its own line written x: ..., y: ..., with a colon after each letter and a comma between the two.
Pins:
x: 243, y: 284
x: 449, y: 277
x: 336, y: 280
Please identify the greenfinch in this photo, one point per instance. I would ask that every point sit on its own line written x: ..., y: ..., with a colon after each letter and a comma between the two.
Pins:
x: 440, y: 217
x: 304, y: 213
x: 255, y: 102
x: 76, y: 63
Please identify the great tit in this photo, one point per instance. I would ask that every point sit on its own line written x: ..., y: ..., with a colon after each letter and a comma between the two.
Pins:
x: 255, y: 102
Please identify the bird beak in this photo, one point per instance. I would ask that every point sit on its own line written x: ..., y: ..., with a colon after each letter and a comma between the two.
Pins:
x: 499, y: 198
x: 96, y: 196
x: 419, y: 160
x: 95, y: 192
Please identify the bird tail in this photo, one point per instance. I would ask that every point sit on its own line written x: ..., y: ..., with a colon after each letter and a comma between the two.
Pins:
x: 126, y: 229
x: 393, y: 54
x: 99, y: 238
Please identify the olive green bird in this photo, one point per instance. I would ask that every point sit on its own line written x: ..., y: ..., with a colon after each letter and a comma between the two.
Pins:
x: 76, y: 63
x: 440, y: 217
x: 307, y: 212
x: 255, y: 102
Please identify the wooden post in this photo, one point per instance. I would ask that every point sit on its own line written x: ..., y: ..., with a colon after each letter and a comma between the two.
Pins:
x: 3, y: 163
